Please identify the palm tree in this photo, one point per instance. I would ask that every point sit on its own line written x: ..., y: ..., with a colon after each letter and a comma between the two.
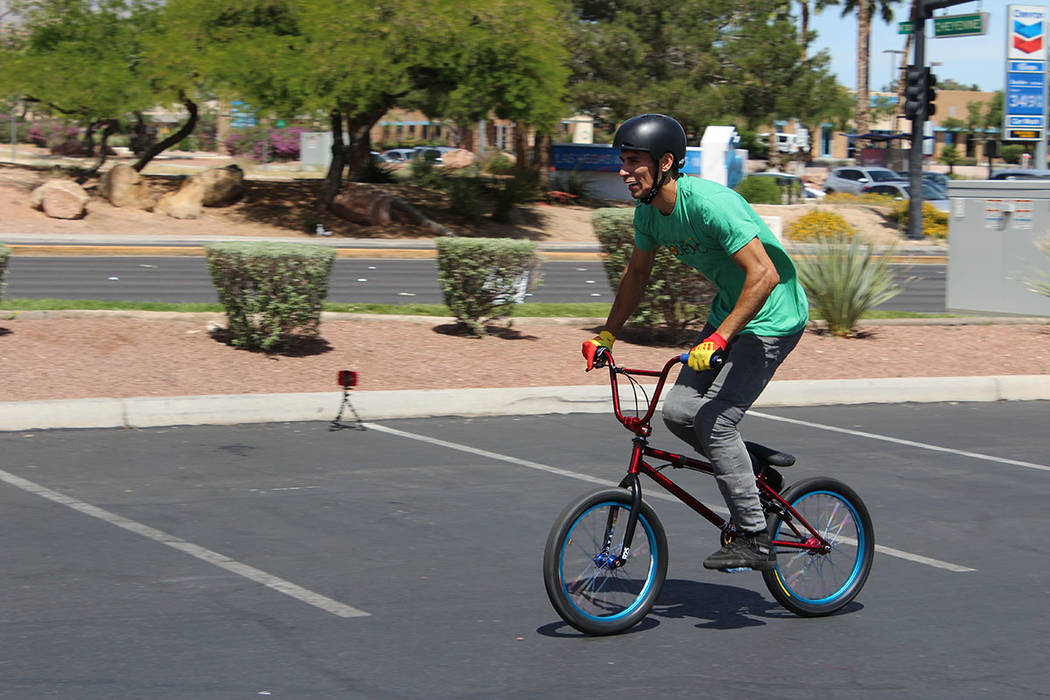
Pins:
x: 818, y: 6
x: 865, y: 11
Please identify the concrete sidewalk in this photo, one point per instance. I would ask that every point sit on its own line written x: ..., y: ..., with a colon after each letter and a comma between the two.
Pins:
x: 144, y: 412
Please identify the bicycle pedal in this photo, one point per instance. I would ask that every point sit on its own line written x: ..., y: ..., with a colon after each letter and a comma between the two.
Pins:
x: 736, y: 570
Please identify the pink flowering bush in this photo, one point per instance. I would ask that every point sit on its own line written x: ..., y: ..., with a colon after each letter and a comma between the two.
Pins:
x: 265, y: 144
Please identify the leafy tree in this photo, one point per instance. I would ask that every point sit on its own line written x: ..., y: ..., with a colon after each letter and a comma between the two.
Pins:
x: 78, y: 58
x: 93, y: 61
x: 950, y: 157
x: 983, y: 120
x: 703, y: 61
x: 291, y: 56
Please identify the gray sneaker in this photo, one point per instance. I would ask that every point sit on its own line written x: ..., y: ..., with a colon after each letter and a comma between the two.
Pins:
x: 745, y: 551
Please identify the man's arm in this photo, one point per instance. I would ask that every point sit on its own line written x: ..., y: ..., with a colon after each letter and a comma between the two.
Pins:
x: 632, y: 286
x: 760, y: 278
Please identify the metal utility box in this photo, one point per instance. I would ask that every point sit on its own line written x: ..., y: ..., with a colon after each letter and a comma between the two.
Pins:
x: 994, y: 231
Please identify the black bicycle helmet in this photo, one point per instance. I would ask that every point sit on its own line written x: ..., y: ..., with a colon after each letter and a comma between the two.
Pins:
x: 657, y: 134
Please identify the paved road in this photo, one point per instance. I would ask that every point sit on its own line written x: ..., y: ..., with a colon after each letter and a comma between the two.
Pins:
x: 388, y: 281
x: 231, y: 562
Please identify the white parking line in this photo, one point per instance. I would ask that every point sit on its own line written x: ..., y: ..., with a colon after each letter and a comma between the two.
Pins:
x: 890, y: 551
x: 899, y: 441
x: 220, y: 560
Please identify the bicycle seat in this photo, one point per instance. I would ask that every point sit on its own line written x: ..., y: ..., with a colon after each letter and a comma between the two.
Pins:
x: 769, y: 456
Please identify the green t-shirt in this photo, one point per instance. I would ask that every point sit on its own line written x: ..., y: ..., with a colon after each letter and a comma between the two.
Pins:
x: 709, y: 223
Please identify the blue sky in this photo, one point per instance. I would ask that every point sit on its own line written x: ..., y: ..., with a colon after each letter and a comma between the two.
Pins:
x: 968, y: 60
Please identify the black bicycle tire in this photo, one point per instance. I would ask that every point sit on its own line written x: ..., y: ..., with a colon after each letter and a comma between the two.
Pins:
x: 552, y: 578
x: 782, y: 591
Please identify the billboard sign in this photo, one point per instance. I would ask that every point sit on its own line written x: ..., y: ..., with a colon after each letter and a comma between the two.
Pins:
x: 1024, y: 110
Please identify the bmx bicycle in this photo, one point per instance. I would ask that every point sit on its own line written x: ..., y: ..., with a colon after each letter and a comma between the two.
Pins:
x: 606, y: 556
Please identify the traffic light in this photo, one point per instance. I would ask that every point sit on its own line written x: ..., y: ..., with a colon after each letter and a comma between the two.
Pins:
x: 929, y: 108
x: 915, y: 91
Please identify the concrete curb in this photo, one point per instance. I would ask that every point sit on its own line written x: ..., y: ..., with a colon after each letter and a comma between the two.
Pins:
x: 146, y: 412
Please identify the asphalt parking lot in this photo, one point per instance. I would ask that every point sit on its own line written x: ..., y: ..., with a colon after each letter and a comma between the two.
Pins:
x: 403, y: 561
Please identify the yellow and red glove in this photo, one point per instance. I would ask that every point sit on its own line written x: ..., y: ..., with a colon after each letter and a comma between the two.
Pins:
x: 700, y: 355
x: 605, y: 339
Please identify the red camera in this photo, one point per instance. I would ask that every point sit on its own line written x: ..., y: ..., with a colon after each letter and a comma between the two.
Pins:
x: 347, y: 378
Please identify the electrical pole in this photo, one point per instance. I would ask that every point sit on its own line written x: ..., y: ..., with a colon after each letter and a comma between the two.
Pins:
x: 918, y: 119
x: 922, y: 10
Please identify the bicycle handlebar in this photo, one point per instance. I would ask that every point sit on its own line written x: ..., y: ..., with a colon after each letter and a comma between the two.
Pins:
x: 603, y: 357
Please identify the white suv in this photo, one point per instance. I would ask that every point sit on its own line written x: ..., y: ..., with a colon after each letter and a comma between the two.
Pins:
x: 854, y: 179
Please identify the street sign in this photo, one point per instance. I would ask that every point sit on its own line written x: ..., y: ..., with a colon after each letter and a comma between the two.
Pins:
x: 975, y: 24
x: 905, y: 28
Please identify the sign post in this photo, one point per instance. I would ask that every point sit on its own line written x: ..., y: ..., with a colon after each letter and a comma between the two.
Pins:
x: 1024, y: 109
x: 922, y: 10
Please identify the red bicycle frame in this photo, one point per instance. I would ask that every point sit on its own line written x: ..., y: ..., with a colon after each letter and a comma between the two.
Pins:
x: 814, y: 542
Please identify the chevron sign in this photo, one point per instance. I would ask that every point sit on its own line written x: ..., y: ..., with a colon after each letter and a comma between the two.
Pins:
x: 1028, y: 37
x: 1027, y: 32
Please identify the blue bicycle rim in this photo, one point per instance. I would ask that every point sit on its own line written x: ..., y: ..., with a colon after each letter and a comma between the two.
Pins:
x: 862, y: 538
x: 647, y: 529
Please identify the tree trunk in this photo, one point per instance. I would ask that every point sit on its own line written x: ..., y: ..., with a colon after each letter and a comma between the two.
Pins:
x: 541, y: 158
x: 89, y: 137
x: 521, y: 153
x: 863, y: 114
x: 359, y: 127
x: 805, y: 28
x: 156, y: 149
x: 110, y: 125
x: 334, y: 179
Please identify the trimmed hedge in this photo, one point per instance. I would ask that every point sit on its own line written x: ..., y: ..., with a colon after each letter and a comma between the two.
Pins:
x: 483, y: 278
x: 677, y: 296
x: 272, y: 292
x: 5, y: 255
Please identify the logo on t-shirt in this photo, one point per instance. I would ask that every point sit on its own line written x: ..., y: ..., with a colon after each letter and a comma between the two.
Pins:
x: 686, y: 247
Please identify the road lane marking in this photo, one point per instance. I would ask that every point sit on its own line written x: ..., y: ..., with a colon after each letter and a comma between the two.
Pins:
x: 889, y: 551
x: 900, y: 441
x: 220, y: 560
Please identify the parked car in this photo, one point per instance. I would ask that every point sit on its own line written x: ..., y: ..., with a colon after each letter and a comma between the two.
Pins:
x: 853, y: 179
x: 902, y: 190
x: 939, y: 179
x: 434, y: 154
x: 783, y: 179
x: 397, y: 155
x: 1021, y: 174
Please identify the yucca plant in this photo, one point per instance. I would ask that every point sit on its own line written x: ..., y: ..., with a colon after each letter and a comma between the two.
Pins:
x: 843, y: 279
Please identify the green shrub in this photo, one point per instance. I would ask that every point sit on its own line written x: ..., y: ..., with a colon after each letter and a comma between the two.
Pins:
x: 464, y: 198
x: 497, y: 163
x: 272, y: 292
x: 819, y: 223
x: 483, y: 278
x: 522, y: 188
x: 934, y: 221
x: 843, y: 280
x: 424, y: 173
x: 760, y: 190
x: 677, y: 296
x: 1012, y: 153
x: 5, y: 255
x: 575, y: 183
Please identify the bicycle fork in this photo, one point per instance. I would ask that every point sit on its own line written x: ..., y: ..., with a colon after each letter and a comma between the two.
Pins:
x: 605, y: 558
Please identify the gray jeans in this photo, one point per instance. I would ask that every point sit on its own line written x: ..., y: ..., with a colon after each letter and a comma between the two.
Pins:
x: 704, y: 408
